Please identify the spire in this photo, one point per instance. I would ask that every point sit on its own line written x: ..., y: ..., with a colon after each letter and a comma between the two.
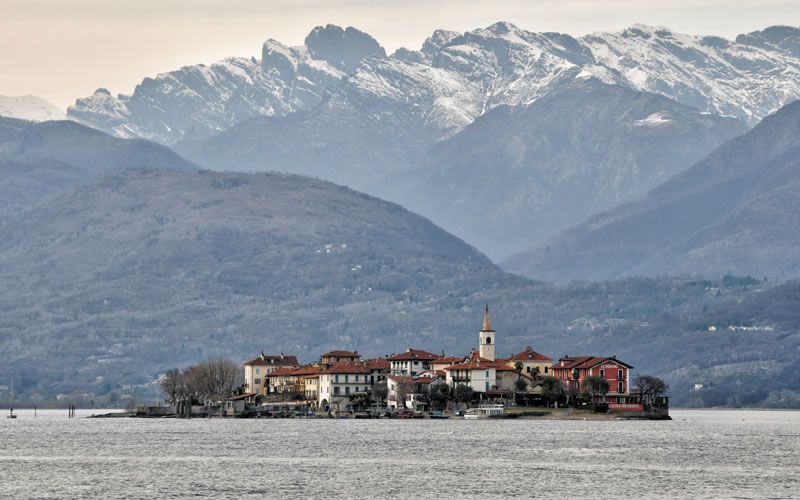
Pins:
x: 487, y: 326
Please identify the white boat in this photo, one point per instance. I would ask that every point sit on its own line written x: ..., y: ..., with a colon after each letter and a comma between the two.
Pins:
x: 484, y: 411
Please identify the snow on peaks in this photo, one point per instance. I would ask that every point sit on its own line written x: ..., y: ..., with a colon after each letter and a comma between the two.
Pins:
x: 654, y: 120
x: 30, y: 108
x: 343, y: 48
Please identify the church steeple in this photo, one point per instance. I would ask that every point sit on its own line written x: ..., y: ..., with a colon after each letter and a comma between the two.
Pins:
x: 487, y: 325
x: 487, y: 337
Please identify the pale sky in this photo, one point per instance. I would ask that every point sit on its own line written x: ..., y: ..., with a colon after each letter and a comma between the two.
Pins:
x: 64, y: 49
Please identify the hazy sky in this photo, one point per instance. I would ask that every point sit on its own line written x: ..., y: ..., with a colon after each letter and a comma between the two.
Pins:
x: 64, y: 49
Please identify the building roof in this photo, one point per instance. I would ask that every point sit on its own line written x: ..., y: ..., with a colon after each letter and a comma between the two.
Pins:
x: 345, y: 367
x: 414, y: 355
x: 306, y: 370
x: 283, y: 372
x: 475, y: 362
x: 450, y: 360
x: 376, y: 364
x: 585, y: 362
x: 341, y: 354
x: 280, y: 360
x: 529, y: 355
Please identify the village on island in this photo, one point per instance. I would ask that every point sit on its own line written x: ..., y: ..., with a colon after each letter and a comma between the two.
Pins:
x: 421, y: 384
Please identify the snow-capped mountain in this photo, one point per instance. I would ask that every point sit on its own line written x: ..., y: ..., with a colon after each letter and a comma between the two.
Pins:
x: 709, y: 73
x: 198, y: 101
x: 29, y: 108
x: 455, y: 77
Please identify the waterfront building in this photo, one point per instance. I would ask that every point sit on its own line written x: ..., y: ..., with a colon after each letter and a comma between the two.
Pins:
x: 411, y: 363
x: 475, y: 371
x: 572, y: 371
x: 258, y: 370
x: 411, y: 393
x: 339, y: 381
x: 533, y: 363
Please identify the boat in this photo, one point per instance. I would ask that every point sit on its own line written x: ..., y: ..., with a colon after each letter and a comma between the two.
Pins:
x: 438, y: 415
x: 484, y: 411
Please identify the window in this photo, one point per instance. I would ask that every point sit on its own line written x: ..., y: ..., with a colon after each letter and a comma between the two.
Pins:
x: 620, y: 375
x: 528, y: 369
x: 620, y: 387
x: 487, y: 374
x: 258, y: 371
x: 257, y: 381
x: 336, y: 378
x: 545, y: 369
x: 488, y: 340
x: 347, y: 379
x: 347, y: 390
x: 487, y: 386
x: 336, y: 391
x: 602, y: 373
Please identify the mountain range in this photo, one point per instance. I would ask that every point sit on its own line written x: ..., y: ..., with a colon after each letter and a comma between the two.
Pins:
x: 454, y: 77
x: 115, y: 281
x: 737, y: 209
x: 40, y: 160
x: 502, y: 136
x: 121, y: 258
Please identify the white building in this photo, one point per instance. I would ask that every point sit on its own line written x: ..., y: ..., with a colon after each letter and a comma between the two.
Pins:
x: 411, y: 363
x: 477, y: 372
x: 339, y: 382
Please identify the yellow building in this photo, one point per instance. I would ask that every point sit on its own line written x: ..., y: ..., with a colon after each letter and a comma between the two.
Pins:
x: 257, y: 371
x: 533, y: 363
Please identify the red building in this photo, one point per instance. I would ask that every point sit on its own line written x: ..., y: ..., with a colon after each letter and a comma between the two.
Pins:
x: 572, y: 371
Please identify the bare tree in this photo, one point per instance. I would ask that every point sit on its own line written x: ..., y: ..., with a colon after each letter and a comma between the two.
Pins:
x: 650, y: 387
x: 176, y: 384
x: 215, y: 378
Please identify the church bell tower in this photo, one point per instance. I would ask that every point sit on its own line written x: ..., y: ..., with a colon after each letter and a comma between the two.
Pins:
x: 487, y: 337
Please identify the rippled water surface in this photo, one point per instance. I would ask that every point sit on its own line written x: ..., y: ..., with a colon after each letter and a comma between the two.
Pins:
x: 698, y: 454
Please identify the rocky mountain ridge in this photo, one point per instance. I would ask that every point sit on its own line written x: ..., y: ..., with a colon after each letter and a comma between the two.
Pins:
x: 465, y: 75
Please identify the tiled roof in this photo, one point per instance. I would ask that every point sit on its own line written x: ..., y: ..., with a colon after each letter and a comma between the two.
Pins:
x: 529, y: 355
x: 306, y: 370
x: 340, y: 354
x: 377, y: 364
x: 280, y: 360
x: 585, y: 362
x: 346, y: 367
x: 450, y: 360
x: 476, y: 362
x: 283, y: 372
x: 414, y: 355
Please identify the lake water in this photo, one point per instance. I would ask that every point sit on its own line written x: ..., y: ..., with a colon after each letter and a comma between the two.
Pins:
x: 698, y: 454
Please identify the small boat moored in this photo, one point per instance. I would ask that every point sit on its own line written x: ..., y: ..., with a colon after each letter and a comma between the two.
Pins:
x: 484, y: 411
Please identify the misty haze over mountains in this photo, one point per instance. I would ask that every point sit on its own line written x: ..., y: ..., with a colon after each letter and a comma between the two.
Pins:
x: 425, y: 128
x: 614, y: 156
